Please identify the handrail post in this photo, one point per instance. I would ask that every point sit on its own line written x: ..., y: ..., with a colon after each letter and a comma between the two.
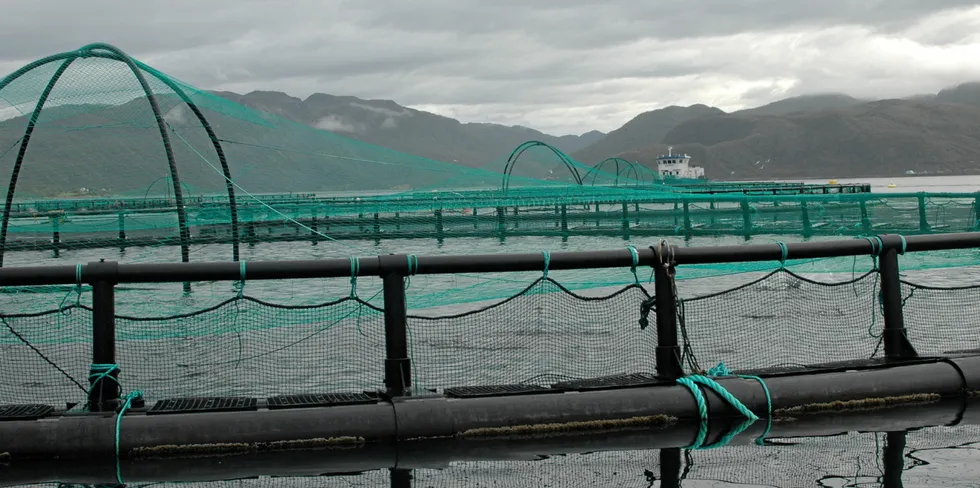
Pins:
x: 668, y: 351
x: 398, y: 367
x: 895, y: 338
x: 104, y: 378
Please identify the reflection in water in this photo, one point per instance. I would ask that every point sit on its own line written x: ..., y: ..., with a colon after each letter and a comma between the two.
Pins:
x: 940, y: 457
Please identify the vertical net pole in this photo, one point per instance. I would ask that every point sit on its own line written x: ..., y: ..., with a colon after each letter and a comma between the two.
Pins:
x: 923, y: 221
x: 746, y: 218
x: 104, y: 382
x: 896, y: 342
x: 398, y: 368
x: 668, y: 351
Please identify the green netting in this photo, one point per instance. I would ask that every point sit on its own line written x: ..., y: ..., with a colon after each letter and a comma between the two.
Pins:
x: 99, y: 168
x: 543, y: 334
x: 113, y: 159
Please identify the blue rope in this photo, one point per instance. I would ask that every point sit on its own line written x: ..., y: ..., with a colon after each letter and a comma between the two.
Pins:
x: 413, y: 264
x: 733, y: 433
x: 355, y: 267
x: 904, y: 244
x: 133, y: 395
x: 692, y: 382
x: 547, y: 262
x: 636, y: 262
x: 100, y: 372
x: 785, y: 253
x: 702, y: 411
x: 241, y: 280
x: 413, y: 267
x: 876, y: 245
x: 77, y: 290
x: 761, y: 440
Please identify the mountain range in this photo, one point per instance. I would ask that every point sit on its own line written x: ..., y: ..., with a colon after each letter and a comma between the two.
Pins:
x: 811, y: 136
x: 279, y: 143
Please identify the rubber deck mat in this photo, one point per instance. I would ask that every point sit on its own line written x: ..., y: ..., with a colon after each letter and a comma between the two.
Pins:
x: 835, y: 366
x: 205, y: 404
x: 24, y: 412
x: 496, y: 390
x: 614, y: 381
x: 320, y: 400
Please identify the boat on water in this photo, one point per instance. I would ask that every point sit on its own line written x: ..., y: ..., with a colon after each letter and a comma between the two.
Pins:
x: 676, y: 168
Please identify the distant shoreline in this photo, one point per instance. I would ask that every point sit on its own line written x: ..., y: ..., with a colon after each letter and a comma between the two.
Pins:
x: 828, y: 178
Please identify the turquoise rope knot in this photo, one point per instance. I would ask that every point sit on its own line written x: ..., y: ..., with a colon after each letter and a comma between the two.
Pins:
x: 692, y: 383
x: 547, y: 262
x: 876, y: 245
x: 413, y: 264
x: 413, y: 267
x: 127, y: 403
x: 636, y: 262
x: 240, y: 284
x: 66, y: 311
x: 355, y: 267
x: 785, y: 253
x: 99, y: 372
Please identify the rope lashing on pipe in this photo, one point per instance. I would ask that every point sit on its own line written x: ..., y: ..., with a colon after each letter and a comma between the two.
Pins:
x: 636, y: 263
x: 355, y: 267
x: 692, y: 383
x: 100, y: 373
x: 667, y: 262
x: 785, y: 254
x: 413, y: 267
x: 240, y: 284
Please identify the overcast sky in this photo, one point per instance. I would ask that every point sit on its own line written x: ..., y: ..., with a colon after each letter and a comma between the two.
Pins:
x: 561, y: 66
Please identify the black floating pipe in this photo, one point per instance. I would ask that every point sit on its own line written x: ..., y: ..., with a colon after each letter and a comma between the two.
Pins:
x: 480, y: 263
x: 487, y: 418
x: 440, y: 453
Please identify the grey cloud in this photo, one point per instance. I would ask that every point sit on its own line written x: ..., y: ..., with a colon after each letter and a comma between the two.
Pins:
x: 589, y: 23
x: 559, y: 65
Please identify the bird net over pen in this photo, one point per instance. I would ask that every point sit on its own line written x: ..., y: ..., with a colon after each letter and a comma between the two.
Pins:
x: 105, y: 152
x: 110, y: 158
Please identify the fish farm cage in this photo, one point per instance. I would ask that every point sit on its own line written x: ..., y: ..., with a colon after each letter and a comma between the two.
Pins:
x: 414, y: 359
x: 173, y: 386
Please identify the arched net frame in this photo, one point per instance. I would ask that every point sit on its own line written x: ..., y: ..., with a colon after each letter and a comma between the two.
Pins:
x: 94, y: 113
x: 98, y: 178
